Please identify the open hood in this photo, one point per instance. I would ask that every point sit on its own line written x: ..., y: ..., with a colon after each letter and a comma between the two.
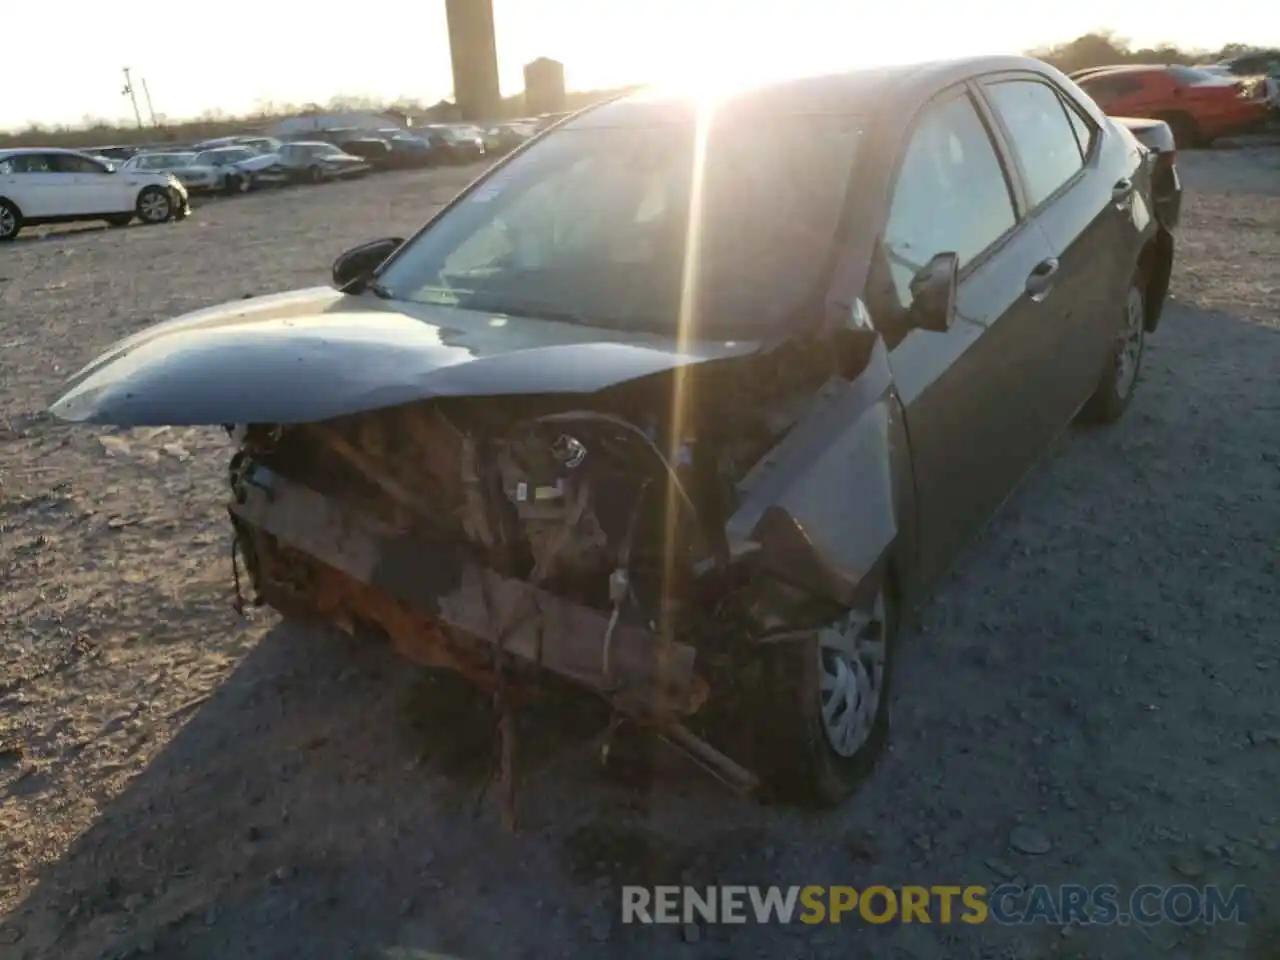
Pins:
x: 315, y: 354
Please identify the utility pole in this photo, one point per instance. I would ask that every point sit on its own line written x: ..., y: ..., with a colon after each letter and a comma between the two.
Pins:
x: 150, y: 109
x: 128, y: 92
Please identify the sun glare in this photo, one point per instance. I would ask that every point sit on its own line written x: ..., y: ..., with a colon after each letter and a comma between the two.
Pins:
x: 709, y: 78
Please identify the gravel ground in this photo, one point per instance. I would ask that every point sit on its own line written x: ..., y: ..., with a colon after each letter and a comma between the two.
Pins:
x: 1101, y: 671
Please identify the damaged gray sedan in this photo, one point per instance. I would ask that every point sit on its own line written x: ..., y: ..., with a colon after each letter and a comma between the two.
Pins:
x: 682, y: 413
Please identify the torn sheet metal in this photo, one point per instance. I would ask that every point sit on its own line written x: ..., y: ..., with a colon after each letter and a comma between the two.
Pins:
x: 827, y: 491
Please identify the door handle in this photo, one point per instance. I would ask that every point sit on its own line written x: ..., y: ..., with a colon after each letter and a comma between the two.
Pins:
x: 1122, y: 190
x: 1040, y: 280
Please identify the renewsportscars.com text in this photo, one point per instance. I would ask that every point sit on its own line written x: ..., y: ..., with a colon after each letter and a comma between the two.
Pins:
x: 1097, y: 905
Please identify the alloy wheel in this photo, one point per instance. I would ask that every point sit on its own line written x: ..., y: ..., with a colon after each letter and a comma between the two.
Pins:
x: 154, y: 207
x: 8, y: 223
x: 851, y: 672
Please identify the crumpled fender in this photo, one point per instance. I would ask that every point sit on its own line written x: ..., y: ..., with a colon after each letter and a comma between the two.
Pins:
x: 821, y: 511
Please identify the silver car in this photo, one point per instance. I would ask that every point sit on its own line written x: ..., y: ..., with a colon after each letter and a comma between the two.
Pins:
x: 196, y: 177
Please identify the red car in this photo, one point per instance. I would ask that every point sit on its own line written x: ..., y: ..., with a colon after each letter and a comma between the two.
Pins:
x: 1199, y: 106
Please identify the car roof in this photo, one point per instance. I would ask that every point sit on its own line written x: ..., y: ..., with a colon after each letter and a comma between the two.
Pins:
x: 900, y: 89
x: 23, y: 151
x: 1131, y: 68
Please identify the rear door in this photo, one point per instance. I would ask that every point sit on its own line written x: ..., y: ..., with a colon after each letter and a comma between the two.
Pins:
x: 35, y: 186
x: 1080, y: 200
x: 966, y: 392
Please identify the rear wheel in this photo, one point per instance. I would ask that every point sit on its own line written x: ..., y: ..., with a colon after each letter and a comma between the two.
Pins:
x: 10, y: 221
x: 1120, y: 376
x: 154, y: 205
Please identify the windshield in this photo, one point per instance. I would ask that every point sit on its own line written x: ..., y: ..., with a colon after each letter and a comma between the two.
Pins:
x: 323, y: 149
x: 163, y: 161
x: 1196, y: 76
x: 590, y: 226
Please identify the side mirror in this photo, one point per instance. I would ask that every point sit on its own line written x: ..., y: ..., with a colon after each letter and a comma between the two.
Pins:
x: 933, y: 294
x: 355, y: 266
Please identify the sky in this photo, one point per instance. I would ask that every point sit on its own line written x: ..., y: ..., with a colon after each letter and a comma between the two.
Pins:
x: 195, y: 58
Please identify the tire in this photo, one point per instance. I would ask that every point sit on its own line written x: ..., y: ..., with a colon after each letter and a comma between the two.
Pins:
x: 1120, y: 376
x: 808, y: 759
x: 231, y: 184
x: 154, y: 205
x: 10, y: 221
x: 123, y: 220
x: 1186, y: 132
x: 314, y: 175
x: 246, y: 183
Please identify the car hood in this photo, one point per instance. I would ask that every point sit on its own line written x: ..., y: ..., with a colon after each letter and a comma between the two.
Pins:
x: 315, y: 354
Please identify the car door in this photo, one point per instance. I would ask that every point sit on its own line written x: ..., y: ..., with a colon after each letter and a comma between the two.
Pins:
x: 1083, y: 213
x: 34, y: 185
x: 965, y: 392
x: 90, y: 187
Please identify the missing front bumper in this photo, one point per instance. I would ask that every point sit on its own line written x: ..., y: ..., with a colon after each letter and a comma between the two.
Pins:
x: 443, y: 609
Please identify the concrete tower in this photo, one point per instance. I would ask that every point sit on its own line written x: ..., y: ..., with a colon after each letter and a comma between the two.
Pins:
x: 474, y: 53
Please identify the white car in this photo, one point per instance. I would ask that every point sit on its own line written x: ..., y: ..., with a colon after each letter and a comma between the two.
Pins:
x: 193, y: 176
x: 49, y: 185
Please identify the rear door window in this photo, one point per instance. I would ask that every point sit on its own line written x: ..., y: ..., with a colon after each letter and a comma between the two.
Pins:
x: 1041, y: 134
x: 32, y: 163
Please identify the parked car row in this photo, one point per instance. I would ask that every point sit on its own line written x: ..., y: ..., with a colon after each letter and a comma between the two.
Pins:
x: 118, y: 183
x: 1200, y: 105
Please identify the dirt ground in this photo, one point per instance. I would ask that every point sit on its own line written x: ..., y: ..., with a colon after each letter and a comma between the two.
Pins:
x: 1102, y: 669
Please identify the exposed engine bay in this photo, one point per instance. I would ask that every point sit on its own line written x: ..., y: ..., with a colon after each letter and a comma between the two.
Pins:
x: 494, y: 537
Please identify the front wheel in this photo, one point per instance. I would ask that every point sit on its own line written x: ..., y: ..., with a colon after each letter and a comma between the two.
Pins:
x: 154, y: 205
x: 1185, y: 130
x: 314, y: 175
x: 1120, y: 376
x: 831, y: 722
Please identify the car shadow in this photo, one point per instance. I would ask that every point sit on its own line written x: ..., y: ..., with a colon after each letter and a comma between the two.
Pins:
x: 321, y: 763
x: 329, y: 800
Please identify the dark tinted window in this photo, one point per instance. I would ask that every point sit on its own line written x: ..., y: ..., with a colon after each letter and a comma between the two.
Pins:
x: 72, y: 163
x: 32, y: 163
x: 1041, y: 133
x: 951, y: 195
